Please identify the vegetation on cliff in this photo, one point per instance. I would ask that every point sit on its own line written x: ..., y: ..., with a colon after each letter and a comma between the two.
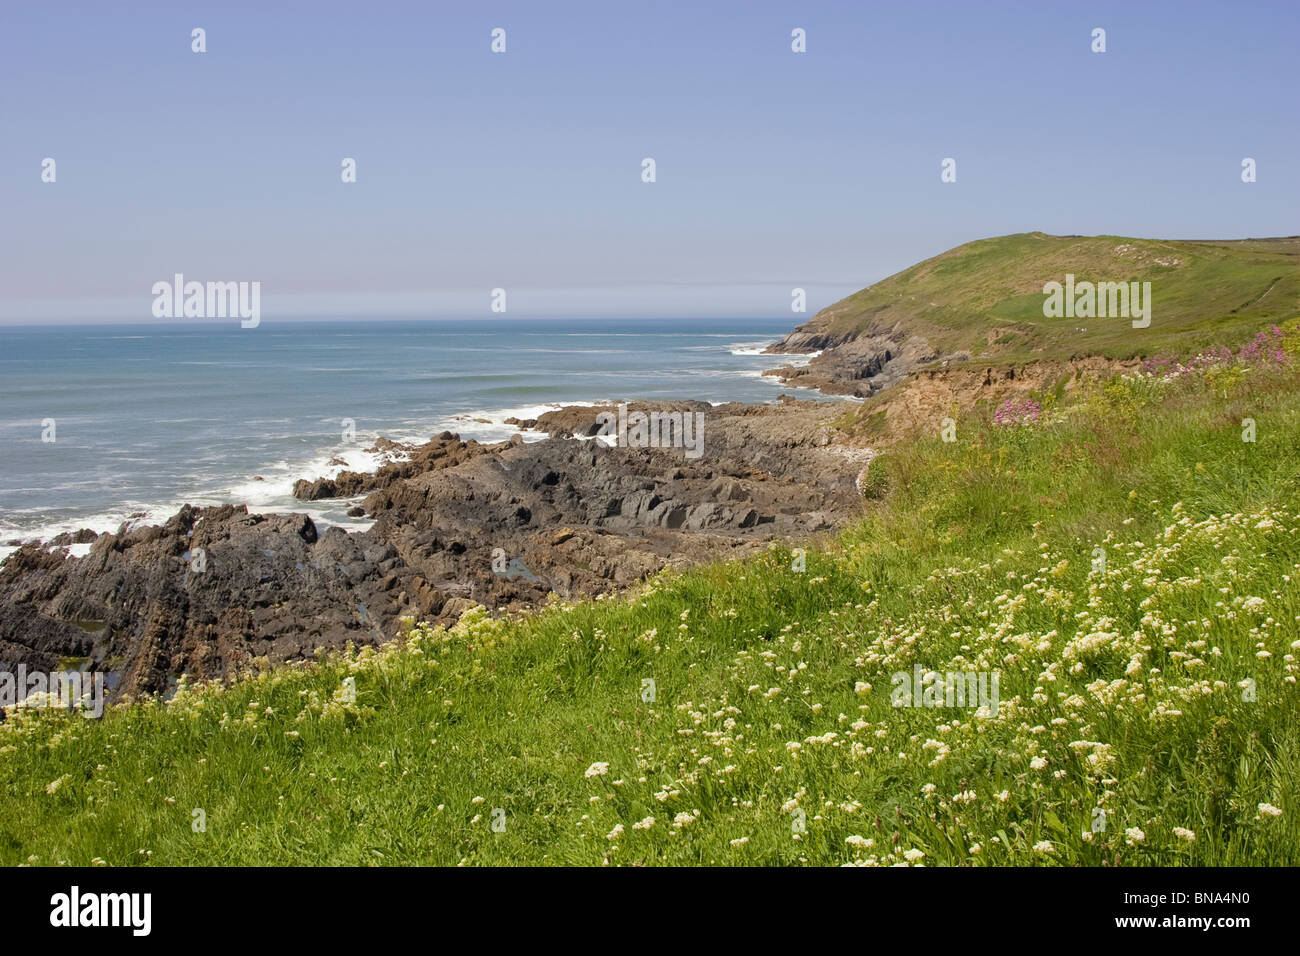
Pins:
x: 985, y: 299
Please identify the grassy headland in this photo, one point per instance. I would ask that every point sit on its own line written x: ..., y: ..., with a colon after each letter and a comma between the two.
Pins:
x: 986, y: 297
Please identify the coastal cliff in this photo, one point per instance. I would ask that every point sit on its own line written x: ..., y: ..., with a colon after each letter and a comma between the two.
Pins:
x: 981, y: 305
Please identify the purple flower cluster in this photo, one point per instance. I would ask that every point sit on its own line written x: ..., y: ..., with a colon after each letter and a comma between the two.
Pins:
x: 1264, y: 349
x: 1012, y: 412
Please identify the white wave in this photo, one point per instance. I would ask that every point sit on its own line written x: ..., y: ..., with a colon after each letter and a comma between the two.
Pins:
x: 131, y: 514
x: 749, y: 348
x: 490, y: 425
x: 796, y: 359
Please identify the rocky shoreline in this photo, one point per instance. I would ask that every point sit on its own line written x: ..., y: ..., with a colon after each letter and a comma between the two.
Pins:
x: 852, y: 364
x: 214, y: 591
x: 508, y: 525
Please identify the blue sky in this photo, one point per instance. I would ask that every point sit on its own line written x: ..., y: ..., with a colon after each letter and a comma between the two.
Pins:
x: 522, y: 170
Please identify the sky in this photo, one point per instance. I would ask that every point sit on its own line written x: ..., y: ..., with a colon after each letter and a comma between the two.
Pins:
x: 522, y: 170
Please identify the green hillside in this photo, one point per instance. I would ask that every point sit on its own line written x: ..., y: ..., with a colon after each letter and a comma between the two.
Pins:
x: 1125, y: 561
x: 986, y: 297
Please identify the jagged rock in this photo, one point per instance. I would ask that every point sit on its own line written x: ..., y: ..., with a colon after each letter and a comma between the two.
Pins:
x: 849, y: 363
x: 444, y: 451
x: 213, y: 588
x: 84, y: 536
x: 204, y: 594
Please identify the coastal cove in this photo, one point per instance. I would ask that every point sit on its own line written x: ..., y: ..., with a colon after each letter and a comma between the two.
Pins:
x: 153, y: 416
x: 347, y: 533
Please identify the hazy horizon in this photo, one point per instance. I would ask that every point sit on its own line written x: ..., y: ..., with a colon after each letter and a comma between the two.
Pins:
x: 522, y: 170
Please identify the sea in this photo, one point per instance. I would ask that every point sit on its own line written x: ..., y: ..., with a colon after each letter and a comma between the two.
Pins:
x: 105, y: 425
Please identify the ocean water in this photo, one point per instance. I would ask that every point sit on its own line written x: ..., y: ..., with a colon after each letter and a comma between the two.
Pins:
x: 149, y: 417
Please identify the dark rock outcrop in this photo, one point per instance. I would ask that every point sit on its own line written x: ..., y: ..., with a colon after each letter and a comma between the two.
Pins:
x: 444, y: 451
x: 505, y: 525
x: 206, y: 593
x: 851, y: 363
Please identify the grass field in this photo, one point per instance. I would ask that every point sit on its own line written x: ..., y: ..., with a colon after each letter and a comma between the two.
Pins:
x: 1125, y: 564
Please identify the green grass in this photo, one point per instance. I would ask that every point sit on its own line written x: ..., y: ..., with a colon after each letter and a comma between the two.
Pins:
x: 986, y: 297
x: 771, y: 686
